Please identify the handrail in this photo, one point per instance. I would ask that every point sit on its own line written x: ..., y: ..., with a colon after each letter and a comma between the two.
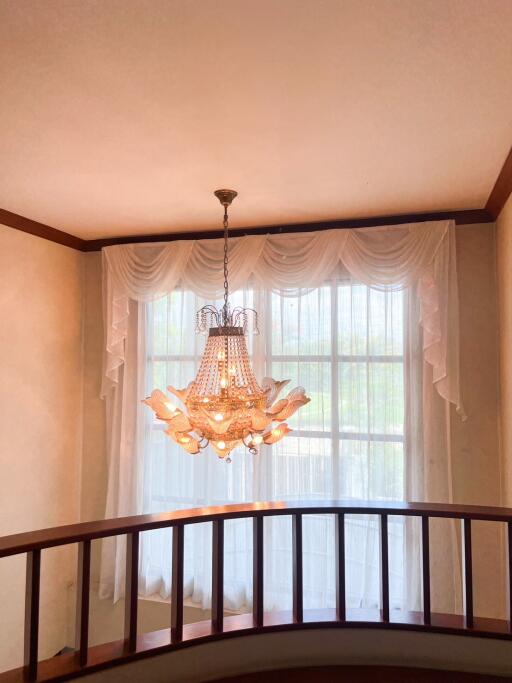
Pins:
x: 135, y: 645
x: 15, y: 544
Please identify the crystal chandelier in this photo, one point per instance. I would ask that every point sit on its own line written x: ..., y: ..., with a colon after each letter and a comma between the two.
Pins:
x: 224, y: 405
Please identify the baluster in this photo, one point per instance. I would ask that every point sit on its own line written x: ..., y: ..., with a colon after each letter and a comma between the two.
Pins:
x: 178, y: 538
x: 218, y: 575
x: 32, y: 587
x: 468, y: 575
x: 341, y: 613
x: 257, y: 571
x: 509, y: 527
x: 297, y: 568
x: 384, y: 566
x: 131, y: 590
x: 425, y: 552
x: 82, y: 601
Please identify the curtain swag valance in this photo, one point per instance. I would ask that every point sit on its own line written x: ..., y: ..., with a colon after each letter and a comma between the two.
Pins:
x: 420, y: 255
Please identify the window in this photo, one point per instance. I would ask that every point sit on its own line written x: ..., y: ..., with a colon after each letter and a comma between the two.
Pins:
x: 344, y: 343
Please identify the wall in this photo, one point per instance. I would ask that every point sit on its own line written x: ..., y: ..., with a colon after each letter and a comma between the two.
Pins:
x: 504, y: 272
x: 40, y: 424
x: 94, y: 462
x: 474, y: 444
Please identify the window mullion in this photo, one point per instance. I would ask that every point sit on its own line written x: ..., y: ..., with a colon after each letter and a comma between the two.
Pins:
x: 335, y: 441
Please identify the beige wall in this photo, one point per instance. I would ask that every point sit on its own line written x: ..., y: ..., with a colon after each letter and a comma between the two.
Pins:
x: 475, y: 446
x: 504, y: 271
x: 474, y: 443
x: 40, y: 424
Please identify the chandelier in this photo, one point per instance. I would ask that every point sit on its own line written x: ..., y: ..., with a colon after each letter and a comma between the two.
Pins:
x: 225, y: 407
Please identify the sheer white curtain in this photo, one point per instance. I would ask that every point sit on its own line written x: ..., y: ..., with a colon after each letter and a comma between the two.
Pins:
x: 344, y: 342
x: 343, y: 339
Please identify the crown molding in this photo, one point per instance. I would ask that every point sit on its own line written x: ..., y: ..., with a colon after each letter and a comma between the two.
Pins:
x: 460, y: 217
x: 463, y: 217
x: 502, y: 188
x: 14, y: 220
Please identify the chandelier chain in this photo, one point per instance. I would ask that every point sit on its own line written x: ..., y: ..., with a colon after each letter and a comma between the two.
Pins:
x: 226, y: 285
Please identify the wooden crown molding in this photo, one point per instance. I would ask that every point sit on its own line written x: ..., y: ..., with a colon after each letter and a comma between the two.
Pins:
x: 460, y: 218
x: 502, y: 189
x: 13, y: 220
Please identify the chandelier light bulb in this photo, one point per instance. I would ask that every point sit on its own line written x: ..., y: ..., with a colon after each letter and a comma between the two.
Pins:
x: 223, y: 412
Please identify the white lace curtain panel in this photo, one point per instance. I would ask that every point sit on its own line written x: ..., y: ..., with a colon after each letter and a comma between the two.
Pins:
x: 417, y: 258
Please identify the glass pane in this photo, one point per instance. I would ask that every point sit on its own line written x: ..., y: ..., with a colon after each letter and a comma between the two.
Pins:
x: 301, y: 467
x: 353, y: 469
x: 362, y: 552
x: 174, y: 324
x: 352, y: 320
x: 385, y: 322
x: 370, y: 322
x: 386, y: 471
x: 316, y: 378
x: 386, y: 385
x: 371, y: 470
x: 302, y: 325
x: 318, y: 561
x: 371, y: 398
x: 177, y: 373
x: 353, y: 404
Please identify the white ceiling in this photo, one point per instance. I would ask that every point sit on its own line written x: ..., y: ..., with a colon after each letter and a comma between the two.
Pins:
x: 121, y: 117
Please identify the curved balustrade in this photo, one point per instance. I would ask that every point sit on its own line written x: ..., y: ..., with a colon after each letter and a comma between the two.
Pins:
x: 134, y: 645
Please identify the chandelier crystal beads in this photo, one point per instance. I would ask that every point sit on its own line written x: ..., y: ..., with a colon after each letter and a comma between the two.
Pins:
x: 225, y: 405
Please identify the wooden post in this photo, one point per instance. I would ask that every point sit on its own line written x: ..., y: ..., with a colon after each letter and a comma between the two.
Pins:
x: 297, y: 568
x: 425, y: 552
x: 178, y: 539
x: 468, y: 575
x: 82, y: 601
x: 257, y: 571
x: 341, y: 612
x: 509, y: 528
x: 218, y: 576
x: 131, y: 591
x: 32, y: 590
x: 384, y: 566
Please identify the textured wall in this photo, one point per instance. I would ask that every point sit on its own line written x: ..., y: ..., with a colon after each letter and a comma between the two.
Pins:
x: 40, y: 424
x: 504, y: 269
x: 475, y: 445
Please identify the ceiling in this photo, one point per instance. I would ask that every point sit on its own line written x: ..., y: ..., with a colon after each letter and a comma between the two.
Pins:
x: 120, y: 117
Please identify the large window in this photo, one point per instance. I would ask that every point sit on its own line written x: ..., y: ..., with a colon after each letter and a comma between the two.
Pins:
x: 344, y: 343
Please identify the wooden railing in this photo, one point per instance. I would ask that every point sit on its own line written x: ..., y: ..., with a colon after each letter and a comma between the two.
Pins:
x: 134, y: 645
